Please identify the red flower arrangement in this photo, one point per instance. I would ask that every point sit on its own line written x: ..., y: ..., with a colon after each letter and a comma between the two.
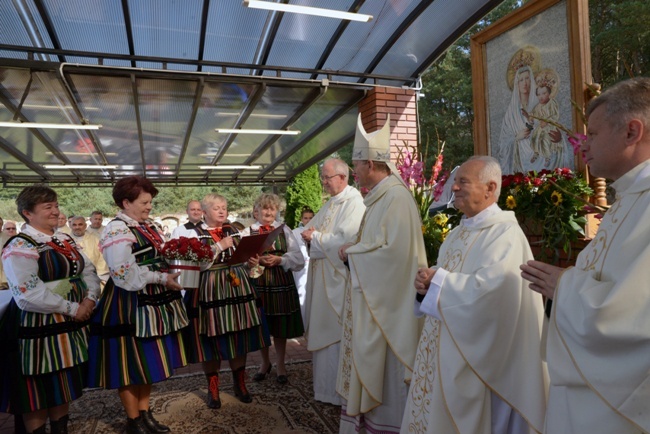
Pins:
x: 187, y: 249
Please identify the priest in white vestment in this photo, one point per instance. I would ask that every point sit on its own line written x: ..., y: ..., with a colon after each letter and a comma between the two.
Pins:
x: 478, y: 368
x: 598, y: 348
x: 335, y: 224
x: 89, y: 244
x: 380, y: 332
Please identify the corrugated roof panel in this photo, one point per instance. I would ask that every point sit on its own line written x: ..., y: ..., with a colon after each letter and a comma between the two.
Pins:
x: 89, y: 25
x: 221, y: 106
x: 165, y: 107
x: 109, y: 101
x: 414, y: 46
x: 233, y: 32
x: 336, y: 133
x: 171, y: 30
x: 20, y: 24
x: 301, y: 39
x: 318, y: 114
x: 361, y: 42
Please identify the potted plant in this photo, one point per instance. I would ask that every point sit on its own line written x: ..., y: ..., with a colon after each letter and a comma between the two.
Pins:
x: 185, y: 255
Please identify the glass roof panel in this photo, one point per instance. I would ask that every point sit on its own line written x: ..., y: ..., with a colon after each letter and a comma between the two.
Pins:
x: 93, y: 61
x: 89, y: 25
x: 109, y: 101
x: 361, y: 42
x: 221, y: 105
x: 318, y: 114
x: 165, y: 108
x: 301, y: 39
x: 339, y: 133
x: 169, y: 31
x: 408, y: 53
x: 21, y: 25
x: 233, y: 32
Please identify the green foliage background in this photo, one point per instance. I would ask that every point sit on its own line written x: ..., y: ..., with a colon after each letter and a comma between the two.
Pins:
x: 170, y: 200
x: 620, y: 48
x: 304, y: 190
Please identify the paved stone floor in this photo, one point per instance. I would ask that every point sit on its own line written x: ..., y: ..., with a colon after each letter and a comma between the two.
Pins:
x: 296, y: 350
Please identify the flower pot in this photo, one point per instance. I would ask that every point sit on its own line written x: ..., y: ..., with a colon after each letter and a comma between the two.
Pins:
x: 190, y: 272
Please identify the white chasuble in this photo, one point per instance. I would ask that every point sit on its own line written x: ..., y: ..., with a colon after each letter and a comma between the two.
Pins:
x: 335, y: 224
x: 488, y: 340
x: 378, y: 313
x: 599, y: 332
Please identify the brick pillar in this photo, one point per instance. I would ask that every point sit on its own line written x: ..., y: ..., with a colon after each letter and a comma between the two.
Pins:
x: 400, y: 103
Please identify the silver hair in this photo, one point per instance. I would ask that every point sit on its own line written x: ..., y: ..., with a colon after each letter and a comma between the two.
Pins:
x: 340, y: 167
x: 625, y: 101
x: 491, y: 171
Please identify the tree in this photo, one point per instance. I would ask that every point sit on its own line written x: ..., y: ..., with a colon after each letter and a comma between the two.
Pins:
x: 446, y: 111
x: 620, y: 39
x: 304, y: 190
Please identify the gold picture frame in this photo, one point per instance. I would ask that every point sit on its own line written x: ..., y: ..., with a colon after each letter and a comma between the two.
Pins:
x: 559, y: 31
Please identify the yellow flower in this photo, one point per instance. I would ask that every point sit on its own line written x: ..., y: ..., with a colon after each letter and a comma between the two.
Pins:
x: 440, y: 219
x: 424, y: 229
x: 511, y: 203
x: 556, y: 198
x: 445, y: 231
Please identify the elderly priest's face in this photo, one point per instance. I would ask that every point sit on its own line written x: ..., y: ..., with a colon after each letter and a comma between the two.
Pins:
x: 471, y: 195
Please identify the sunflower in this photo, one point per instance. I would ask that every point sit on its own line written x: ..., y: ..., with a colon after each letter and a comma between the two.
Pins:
x: 556, y: 198
x: 511, y: 203
x: 440, y: 219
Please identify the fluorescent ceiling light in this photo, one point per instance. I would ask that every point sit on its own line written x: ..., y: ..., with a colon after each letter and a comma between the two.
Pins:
x: 329, y: 13
x: 225, y: 156
x: 52, y: 107
x: 229, y: 167
x: 54, y: 126
x: 88, y: 154
x: 79, y: 166
x: 268, y: 132
x: 253, y: 115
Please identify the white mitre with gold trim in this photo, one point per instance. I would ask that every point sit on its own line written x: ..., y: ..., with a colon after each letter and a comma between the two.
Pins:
x: 374, y: 146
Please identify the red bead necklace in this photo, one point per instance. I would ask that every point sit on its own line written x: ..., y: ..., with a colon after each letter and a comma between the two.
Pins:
x: 152, y: 235
x: 65, y: 248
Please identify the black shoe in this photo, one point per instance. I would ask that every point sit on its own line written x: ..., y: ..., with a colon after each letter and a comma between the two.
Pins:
x: 282, y: 379
x: 153, y: 426
x: 213, y: 391
x: 39, y: 430
x: 59, y: 426
x: 136, y: 426
x: 239, y: 384
x: 260, y: 376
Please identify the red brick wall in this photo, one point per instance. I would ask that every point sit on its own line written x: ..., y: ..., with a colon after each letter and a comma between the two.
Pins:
x: 400, y: 104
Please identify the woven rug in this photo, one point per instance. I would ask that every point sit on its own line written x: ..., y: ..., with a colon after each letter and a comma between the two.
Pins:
x: 180, y: 403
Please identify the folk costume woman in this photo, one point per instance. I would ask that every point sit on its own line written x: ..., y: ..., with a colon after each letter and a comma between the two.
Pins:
x: 276, y: 286
x: 44, y: 333
x: 225, y: 322
x: 136, y: 332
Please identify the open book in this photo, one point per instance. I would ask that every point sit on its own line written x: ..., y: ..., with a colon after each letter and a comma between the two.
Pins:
x: 254, y: 245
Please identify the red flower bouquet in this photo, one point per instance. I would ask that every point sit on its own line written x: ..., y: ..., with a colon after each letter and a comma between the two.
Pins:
x: 187, y: 249
x: 184, y: 255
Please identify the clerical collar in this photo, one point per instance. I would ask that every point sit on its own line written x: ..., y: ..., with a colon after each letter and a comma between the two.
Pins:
x: 479, y: 218
x: 638, y: 173
x: 376, y: 187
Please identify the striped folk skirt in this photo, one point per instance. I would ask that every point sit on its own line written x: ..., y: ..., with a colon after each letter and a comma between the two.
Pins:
x: 225, y: 321
x: 20, y: 393
x: 122, y: 352
x: 280, y: 302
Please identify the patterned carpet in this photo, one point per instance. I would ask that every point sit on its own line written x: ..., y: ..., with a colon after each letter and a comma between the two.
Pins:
x: 180, y: 403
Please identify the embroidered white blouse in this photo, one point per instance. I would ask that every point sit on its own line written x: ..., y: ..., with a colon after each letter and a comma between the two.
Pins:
x: 20, y: 260
x: 115, y: 244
